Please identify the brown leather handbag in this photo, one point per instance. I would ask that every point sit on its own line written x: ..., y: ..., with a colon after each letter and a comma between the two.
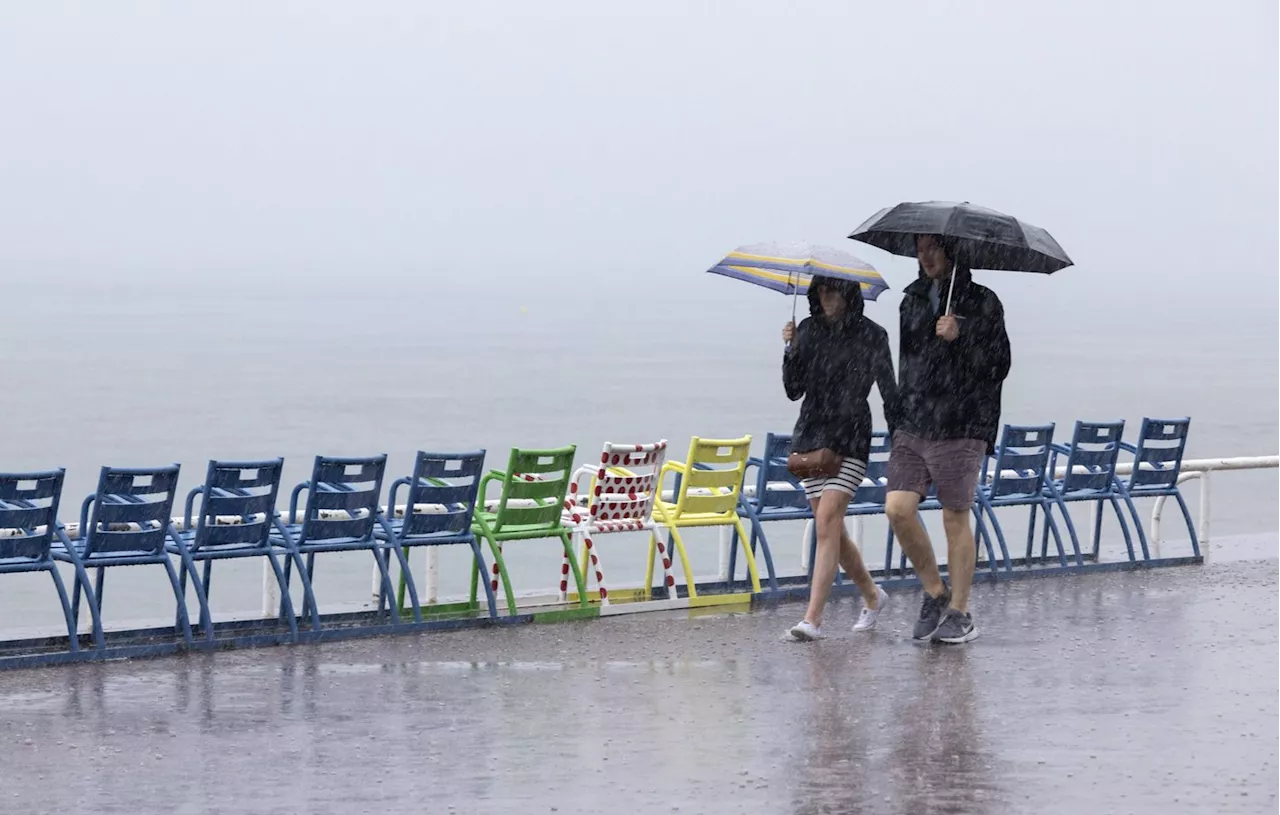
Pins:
x: 822, y: 463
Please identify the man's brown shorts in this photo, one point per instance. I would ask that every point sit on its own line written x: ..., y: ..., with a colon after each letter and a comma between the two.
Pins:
x: 951, y: 465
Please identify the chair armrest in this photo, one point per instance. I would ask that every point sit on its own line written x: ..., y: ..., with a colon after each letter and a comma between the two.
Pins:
x: 293, y: 500
x: 677, y: 467
x: 84, y: 516
x: 1128, y: 448
x: 190, y: 505
x: 492, y: 475
x: 391, y: 497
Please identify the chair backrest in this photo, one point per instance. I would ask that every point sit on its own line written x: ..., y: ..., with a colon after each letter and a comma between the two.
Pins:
x: 29, y: 513
x: 712, y: 481
x: 534, y: 488
x: 875, y: 484
x: 776, y: 487
x: 1091, y: 463
x: 1158, y: 460
x: 442, y: 494
x: 245, y: 490
x: 625, y: 484
x: 1021, y: 461
x: 343, y: 485
x: 131, y: 511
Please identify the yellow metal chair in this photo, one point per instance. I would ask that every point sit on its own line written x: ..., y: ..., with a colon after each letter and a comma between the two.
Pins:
x: 707, y: 495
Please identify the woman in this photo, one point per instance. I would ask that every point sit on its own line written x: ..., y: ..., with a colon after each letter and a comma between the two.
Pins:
x: 831, y: 361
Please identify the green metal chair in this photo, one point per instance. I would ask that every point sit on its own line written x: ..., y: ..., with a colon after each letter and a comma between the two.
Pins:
x: 534, y: 486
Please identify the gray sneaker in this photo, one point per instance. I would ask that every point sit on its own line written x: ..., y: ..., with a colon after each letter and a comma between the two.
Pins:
x: 931, y: 614
x: 957, y: 627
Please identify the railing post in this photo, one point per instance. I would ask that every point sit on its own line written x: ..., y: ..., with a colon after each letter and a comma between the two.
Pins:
x: 804, y: 546
x: 1205, y: 480
x: 726, y: 541
x: 270, y: 591
x: 433, y: 575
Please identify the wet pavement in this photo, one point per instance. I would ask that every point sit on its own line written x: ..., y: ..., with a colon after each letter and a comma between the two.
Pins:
x: 1150, y: 691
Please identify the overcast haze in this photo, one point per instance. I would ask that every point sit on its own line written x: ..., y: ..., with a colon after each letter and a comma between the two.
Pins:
x: 412, y: 195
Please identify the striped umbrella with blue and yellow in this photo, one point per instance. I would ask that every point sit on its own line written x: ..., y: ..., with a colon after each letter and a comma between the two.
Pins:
x: 789, y: 267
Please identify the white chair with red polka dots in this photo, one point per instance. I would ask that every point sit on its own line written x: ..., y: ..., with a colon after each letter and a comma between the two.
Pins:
x: 615, y: 495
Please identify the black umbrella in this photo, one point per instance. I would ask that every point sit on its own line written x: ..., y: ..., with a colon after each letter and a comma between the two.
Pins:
x: 984, y: 238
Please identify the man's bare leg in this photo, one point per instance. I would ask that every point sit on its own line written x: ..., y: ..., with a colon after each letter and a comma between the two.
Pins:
x: 961, y: 556
x: 900, y: 506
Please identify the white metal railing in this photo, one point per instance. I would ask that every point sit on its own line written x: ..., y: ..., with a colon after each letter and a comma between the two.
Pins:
x: 1197, y: 469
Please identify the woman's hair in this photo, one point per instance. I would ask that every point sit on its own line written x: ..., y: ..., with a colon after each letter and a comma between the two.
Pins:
x: 850, y: 290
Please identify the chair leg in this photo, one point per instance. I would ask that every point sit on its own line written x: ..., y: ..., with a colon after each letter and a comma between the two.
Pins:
x: 752, y: 572
x: 982, y: 536
x: 82, y: 579
x: 733, y: 555
x: 1051, y: 525
x: 1186, y: 514
x: 888, y: 553
x: 1124, y: 528
x: 285, y: 600
x: 1066, y: 519
x: 406, y: 579
x: 500, y: 572
x: 1097, y: 528
x: 813, y: 547
x: 184, y: 621
x: 757, y: 531
x: 202, y: 594
x: 386, y: 592
x: 482, y: 567
x: 684, y: 560
x: 99, y: 584
x: 583, y: 600
x: 591, y: 563
x: 73, y: 638
x: 310, y: 608
x: 1137, y: 521
x: 985, y: 506
x: 658, y: 549
x: 1031, y: 528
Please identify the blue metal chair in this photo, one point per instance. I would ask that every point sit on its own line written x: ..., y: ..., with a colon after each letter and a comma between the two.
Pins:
x: 440, y: 504
x: 237, y: 516
x: 1157, y: 464
x: 1090, y: 476
x: 1021, y: 478
x: 29, y: 513
x: 779, y: 496
x: 342, y: 515
x: 128, y: 522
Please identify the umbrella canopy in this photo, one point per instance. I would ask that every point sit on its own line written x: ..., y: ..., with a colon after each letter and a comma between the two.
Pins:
x: 986, y: 239
x: 789, y: 267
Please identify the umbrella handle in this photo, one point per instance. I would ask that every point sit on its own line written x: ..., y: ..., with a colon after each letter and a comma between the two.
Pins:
x: 951, y: 288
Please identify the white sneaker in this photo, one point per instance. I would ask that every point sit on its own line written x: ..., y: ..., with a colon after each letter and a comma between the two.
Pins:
x: 805, y: 631
x: 867, y: 619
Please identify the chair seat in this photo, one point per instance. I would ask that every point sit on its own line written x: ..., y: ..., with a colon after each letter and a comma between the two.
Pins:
x: 609, y: 527
x: 512, y: 531
x: 397, y: 529
x: 106, y: 559
x: 11, y: 565
x: 325, y: 545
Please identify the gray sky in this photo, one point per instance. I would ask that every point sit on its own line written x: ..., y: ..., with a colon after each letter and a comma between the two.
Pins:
x: 432, y: 138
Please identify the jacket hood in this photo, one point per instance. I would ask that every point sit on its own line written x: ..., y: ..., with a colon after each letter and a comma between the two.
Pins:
x: 850, y: 289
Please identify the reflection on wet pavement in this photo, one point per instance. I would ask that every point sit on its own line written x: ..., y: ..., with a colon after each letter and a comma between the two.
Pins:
x: 1139, y: 692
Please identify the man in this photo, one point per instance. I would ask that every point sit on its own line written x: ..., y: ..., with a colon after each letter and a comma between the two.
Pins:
x: 951, y: 366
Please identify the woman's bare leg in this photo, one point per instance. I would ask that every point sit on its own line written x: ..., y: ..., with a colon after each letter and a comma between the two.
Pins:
x: 828, y: 514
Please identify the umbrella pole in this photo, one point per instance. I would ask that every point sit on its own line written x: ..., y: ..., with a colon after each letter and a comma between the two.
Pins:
x: 795, y: 295
x: 951, y: 288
